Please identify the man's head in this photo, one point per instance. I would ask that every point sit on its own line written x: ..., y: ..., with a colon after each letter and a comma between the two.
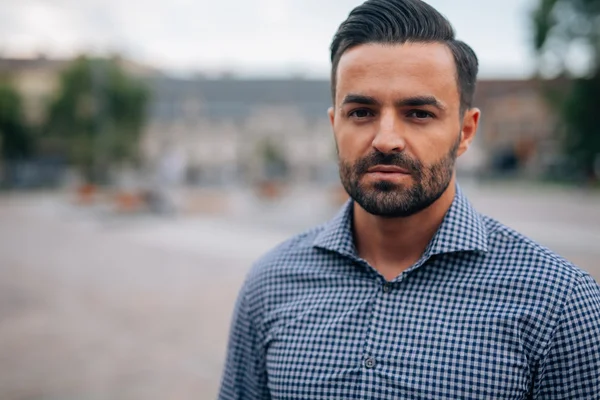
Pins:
x: 402, y: 91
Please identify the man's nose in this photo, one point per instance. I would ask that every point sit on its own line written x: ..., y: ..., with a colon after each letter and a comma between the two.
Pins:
x: 390, y: 135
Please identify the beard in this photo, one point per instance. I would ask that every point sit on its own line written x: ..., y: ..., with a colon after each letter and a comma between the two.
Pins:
x: 392, y: 200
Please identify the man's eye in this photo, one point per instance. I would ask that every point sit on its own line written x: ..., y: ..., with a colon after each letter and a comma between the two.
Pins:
x: 361, y: 113
x: 420, y: 114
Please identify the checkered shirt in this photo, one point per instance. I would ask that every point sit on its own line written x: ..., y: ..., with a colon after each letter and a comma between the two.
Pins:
x: 486, y: 313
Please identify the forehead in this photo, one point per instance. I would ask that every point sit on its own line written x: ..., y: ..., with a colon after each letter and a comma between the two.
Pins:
x: 398, y: 70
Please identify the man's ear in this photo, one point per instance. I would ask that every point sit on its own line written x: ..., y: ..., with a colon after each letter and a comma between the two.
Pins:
x: 469, y: 129
x: 331, y: 113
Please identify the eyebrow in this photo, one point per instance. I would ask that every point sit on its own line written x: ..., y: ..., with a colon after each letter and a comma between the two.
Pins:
x: 359, y: 99
x: 414, y: 101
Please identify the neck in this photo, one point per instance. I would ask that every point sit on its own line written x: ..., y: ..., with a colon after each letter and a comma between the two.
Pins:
x: 391, y: 245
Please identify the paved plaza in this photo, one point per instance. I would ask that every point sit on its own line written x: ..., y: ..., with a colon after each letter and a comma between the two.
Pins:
x: 95, y: 306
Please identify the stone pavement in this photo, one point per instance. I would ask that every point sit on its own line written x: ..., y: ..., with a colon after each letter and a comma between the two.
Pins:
x: 86, y: 313
x: 94, y: 307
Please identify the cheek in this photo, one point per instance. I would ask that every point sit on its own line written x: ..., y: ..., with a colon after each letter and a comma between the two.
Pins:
x: 433, y: 146
x: 351, y: 144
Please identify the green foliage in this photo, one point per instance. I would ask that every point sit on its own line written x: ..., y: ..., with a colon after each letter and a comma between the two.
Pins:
x: 581, y: 114
x: 557, y: 26
x: 98, y: 115
x: 270, y: 152
x: 543, y: 22
x: 274, y: 162
x: 15, y: 141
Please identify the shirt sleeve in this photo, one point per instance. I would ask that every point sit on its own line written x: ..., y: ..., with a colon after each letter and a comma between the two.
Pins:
x: 571, y: 367
x: 244, y: 376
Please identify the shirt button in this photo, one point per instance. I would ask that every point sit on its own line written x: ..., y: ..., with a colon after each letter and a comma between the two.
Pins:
x: 387, y: 288
x: 369, y: 362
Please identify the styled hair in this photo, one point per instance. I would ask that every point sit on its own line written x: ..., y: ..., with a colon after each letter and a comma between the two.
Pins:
x: 398, y: 22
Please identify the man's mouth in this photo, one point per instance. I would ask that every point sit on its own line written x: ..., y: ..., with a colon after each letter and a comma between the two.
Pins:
x: 387, y: 169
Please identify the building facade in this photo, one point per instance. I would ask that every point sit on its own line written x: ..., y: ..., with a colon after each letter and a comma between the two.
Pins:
x: 231, y: 131
x: 223, y: 125
x: 236, y: 130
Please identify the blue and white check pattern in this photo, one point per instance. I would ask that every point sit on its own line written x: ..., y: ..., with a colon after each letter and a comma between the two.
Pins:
x: 484, y: 314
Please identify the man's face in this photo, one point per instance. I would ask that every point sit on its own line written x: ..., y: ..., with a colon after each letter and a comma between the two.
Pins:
x: 397, y: 125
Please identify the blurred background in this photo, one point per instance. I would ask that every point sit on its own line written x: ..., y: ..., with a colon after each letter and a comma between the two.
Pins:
x: 151, y: 150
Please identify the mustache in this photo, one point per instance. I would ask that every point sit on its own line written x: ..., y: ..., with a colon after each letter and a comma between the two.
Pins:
x: 400, y: 160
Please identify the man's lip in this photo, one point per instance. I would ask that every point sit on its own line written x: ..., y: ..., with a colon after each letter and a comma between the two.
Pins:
x: 387, y: 169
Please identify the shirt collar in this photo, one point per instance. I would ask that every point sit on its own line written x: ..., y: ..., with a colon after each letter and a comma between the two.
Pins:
x: 337, y: 235
x: 462, y: 230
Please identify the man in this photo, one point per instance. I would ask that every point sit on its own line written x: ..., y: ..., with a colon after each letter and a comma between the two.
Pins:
x: 409, y: 293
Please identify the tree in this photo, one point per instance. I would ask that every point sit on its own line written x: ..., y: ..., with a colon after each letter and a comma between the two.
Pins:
x: 15, y: 141
x: 563, y: 31
x: 98, y: 116
x: 274, y: 162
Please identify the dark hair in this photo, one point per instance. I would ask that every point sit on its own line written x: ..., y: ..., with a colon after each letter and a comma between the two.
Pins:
x: 398, y: 22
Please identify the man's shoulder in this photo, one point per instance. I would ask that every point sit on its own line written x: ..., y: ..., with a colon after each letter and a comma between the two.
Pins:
x: 293, y: 246
x: 523, y: 254
x: 293, y: 253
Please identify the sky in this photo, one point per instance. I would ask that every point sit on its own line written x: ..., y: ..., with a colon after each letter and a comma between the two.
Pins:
x: 245, y: 37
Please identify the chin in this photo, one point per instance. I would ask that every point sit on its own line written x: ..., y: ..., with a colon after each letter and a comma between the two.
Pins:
x: 387, y: 187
